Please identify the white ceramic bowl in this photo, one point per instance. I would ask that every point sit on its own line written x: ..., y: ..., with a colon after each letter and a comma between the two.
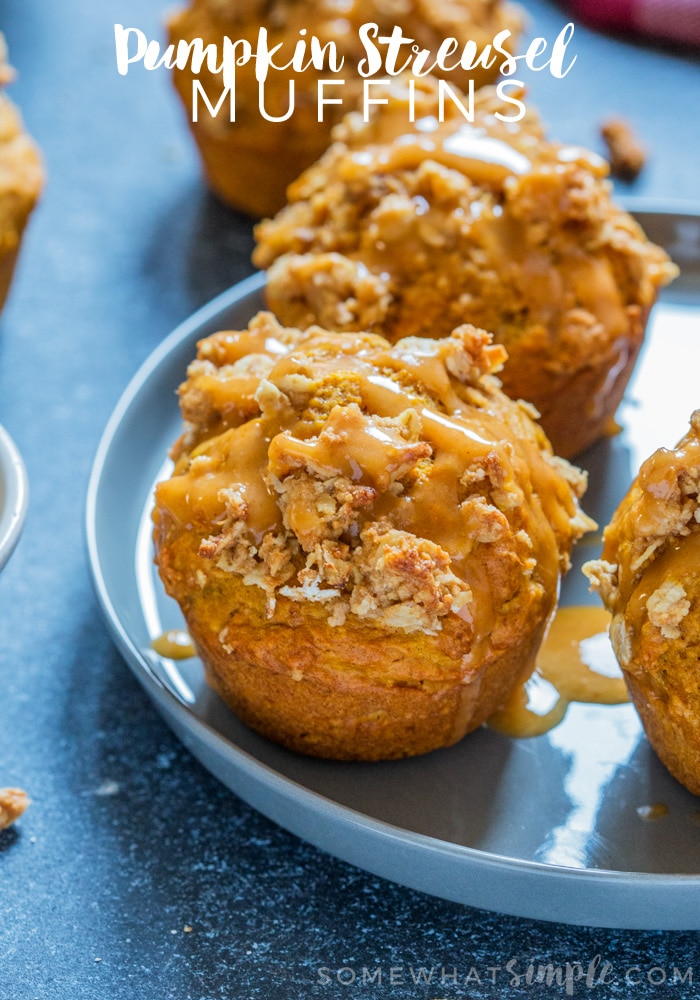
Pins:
x: 14, y: 495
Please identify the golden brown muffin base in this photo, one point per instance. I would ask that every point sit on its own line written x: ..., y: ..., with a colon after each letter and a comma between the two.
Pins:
x: 248, y: 163
x: 247, y: 177
x: 348, y: 692
x: 341, y: 716
x: 577, y: 407
x: 662, y: 673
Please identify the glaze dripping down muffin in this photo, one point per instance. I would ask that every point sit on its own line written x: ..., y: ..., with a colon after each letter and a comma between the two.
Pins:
x: 366, y: 540
x: 250, y: 162
x: 649, y: 578
x: 411, y: 229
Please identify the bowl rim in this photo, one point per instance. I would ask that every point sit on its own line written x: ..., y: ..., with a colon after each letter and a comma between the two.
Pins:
x: 14, y: 495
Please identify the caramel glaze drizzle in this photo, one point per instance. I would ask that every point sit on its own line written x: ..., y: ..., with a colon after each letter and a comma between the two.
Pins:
x: 480, y: 154
x: 637, y: 525
x: 175, y: 644
x: 567, y: 661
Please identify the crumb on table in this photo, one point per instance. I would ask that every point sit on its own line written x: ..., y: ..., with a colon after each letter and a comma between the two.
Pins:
x: 13, y: 802
x: 626, y: 154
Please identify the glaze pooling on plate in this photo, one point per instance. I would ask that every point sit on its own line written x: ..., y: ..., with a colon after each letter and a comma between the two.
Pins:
x: 546, y: 828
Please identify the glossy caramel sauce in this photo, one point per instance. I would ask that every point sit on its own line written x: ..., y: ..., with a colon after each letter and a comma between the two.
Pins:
x: 486, y: 156
x: 573, y: 666
x: 677, y: 561
x: 175, y: 644
x: 643, y: 520
x: 469, y: 149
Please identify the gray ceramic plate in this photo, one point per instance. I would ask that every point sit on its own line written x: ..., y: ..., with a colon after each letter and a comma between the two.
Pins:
x: 14, y: 496
x: 545, y: 828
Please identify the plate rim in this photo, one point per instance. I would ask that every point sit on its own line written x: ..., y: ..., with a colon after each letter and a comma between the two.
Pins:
x: 288, y: 789
x: 15, y: 495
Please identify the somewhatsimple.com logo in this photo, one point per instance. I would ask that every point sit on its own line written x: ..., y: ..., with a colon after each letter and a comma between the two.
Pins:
x: 573, y: 977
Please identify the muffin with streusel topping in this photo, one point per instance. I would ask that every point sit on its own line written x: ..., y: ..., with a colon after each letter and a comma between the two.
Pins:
x: 21, y: 179
x: 411, y: 229
x: 649, y: 578
x: 250, y: 161
x: 366, y: 540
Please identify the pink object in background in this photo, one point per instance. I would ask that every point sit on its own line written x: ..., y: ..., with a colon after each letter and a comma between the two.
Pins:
x: 672, y: 20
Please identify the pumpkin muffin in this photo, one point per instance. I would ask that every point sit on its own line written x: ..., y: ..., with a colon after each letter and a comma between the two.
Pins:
x: 21, y: 179
x: 250, y: 162
x: 649, y: 578
x: 410, y: 230
x: 366, y: 540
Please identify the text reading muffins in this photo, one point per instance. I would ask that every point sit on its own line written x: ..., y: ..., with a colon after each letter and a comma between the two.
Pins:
x: 649, y: 578
x: 366, y: 540
x: 413, y: 228
x: 250, y: 161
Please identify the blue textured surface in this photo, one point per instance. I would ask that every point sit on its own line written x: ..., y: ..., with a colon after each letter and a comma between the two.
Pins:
x: 128, y: 840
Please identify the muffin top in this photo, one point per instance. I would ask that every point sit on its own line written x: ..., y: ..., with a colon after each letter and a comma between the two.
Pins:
x: 394, y: 483
x: 412, y: 228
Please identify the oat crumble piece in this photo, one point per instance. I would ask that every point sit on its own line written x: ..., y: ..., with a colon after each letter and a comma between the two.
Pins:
x: 13, y: 802
x: 626, y: 154
x: 667, y: 607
